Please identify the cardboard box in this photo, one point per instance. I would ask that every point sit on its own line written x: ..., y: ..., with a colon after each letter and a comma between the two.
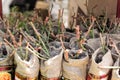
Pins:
x: 99, y: 7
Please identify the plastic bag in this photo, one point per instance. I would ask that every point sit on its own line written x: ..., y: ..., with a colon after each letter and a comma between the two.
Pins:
x: 6, y: 62
x: 51, y: 68
x: 116, y: 72
x: 95, y: 71
x: 75, y: 69
x: 27, y: 68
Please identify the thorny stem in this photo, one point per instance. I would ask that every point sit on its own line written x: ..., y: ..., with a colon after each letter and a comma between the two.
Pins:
x: 8, y: 43
x: 90, y: 27
x: 28, y: 37
x: 38, y: 35
x: 13, y: 52
x: 62, y: 43
x: 36, y: 51
x: 60, y: 16
x: 66, y: 54
x: 31, y: 49
x: 13, y: 38
x: 78, y: 37
x: 114, y: 46
x: 102, y: 42
x: 77, y: 32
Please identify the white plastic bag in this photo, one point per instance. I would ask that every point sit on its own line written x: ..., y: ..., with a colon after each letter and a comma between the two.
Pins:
x: 6, y: 62
x: 26, y: 69
x: 51, y: 68
x: 75, y: 69
x: 116, y: 72
x: 97, y: 73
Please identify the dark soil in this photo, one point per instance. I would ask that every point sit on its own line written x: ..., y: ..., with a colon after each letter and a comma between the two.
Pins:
x: 3, y: 51
x: 119, y: 72
x: 99, y: 56
x: 74, y: 55
x: 70, y: 30
x: 89, y: 50
x: 68, y: 36
x: 54, y: 52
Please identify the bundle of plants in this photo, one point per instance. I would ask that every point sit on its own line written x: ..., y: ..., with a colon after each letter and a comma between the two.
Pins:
x: 51, y: 68
x: 116, y: 70
x: 6, y: 62
x: 81, y: 44
x: 76, y: 57
x: 27, y: 64
x: 49, y: 53
x: 102, y: 24
x: 88, y: 26
x: 101, y: 58
x: 90, y: 36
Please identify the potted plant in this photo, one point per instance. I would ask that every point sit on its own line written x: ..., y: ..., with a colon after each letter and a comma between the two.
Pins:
x: 6, y: 62
x: 99, y: 61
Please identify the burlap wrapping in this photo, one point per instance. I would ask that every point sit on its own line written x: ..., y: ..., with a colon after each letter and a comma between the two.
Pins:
x: 27, y: 69
x: 51, y: 68
x: 75, y: 69
x: 101, y: 73
x: 115, y: 72
x: 6, y: 62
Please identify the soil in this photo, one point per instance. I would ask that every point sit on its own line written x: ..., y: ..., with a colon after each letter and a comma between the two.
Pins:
x: 74, y: 55
x: 3, y: 51
x: 99, y: 56
x: 54, y: 52
x: 68, y: 36
x: 70, y: 30
x: 55, y: 44
x: 89, y: 50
